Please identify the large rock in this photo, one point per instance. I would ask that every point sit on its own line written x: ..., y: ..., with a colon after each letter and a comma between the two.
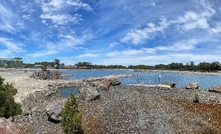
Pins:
x: 215, y: 89
x: 91, y: 93
x: 114, y: 82
x: 194, y: 85
x: 53, y: 111
x: 8, y: 127
x: 170, y: 83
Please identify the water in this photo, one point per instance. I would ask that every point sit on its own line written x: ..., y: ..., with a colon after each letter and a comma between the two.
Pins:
x: 66, y: 91
x: 182, y: 80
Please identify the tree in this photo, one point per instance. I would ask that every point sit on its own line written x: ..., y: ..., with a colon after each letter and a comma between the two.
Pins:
x: 8, y: 107
x: 71, y: 117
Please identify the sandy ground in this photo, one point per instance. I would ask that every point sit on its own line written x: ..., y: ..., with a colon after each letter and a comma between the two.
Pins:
x: 23, y: 83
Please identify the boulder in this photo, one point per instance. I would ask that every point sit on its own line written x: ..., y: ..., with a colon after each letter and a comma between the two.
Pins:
x: 106, y: 85
x: 114, y: 82
x: 8, y: 127
x: 194, y: 85
x: 215, y: 89
x: 170, y: 83
x: 91, y: 93
x: 53, y: 111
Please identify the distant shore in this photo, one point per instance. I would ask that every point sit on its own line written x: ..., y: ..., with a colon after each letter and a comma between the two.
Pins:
x: 179, y: 72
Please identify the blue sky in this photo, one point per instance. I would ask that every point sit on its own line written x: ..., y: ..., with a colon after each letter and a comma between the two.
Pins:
x: 125, y: 32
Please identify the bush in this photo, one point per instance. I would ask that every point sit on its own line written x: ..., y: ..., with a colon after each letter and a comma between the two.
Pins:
x: 196, y: 98
x: 8, y: 107
x: 71, y: 117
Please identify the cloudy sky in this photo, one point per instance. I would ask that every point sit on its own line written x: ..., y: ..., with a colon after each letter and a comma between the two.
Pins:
x: 126, y: 32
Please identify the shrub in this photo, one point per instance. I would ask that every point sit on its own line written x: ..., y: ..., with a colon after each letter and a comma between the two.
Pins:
x: 8, y: 107
x: 196, y: 98
x: 71, y: 117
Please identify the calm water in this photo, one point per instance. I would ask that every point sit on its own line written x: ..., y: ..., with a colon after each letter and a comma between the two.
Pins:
x: 182, y: 80
x: 205, y: 81
x: 66, y: 91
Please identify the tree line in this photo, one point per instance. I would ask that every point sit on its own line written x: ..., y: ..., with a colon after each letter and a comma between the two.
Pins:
x: 191, y: 66
x: 203, y: 66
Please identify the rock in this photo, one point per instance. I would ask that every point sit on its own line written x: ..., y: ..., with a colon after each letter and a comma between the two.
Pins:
x: 55, y: 118
x: 114, y: 82
x: 106, y: 85
x: 194, y: 85
x: 91, y: 93
x: 215, y: 89
x: 47, y: 75
x: 53, y: 111
x: 170, y: 83
x: 8, y: 127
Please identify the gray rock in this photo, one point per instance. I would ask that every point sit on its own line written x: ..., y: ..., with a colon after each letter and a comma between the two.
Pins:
x: 114, y: 82
x: 53, y: 111
x: 91, y: 93
x: 170, y: 83
x: 194, y: 85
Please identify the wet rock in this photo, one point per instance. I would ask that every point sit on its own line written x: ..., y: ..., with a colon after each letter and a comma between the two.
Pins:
x: 8, y: 127
x: 215, y: 89
x: 194, y: 85
x: 170, y: 83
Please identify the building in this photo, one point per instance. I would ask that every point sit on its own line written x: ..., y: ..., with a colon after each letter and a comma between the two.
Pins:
x: 11, y: 62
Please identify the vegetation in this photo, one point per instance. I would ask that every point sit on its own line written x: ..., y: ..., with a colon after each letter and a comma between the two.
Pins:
x: 8, y: 107
x: 71, y: 117
x: 196, y: 98
x: 203, y: 67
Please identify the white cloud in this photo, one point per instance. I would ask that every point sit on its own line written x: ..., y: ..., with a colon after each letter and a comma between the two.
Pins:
x: 6, y: 19
x: 113, y: 44
x: 216, y: 29
x: 11, y: 45
x: 66, y: 43
x: 42, y: 53
x: 60, y: 11
x: 61, y: 19
x: 192, y: 20
x: 180, y: 46
x: 132, y: 52
x: 138, y: 36
x: 87, y: 55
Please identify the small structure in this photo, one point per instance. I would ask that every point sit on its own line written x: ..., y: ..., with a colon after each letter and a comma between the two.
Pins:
x: 11, y: 62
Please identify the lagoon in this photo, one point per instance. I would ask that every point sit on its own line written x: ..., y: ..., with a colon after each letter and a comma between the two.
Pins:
x: 180, y: 79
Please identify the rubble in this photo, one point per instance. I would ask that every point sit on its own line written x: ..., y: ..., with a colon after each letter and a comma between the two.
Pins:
x: 47, y: 75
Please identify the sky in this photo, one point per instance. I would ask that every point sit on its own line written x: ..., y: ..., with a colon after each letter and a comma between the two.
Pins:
x: 111, y: 32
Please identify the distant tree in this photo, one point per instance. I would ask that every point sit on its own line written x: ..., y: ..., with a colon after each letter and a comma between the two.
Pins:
x: 204, y: 66
x: 215, y: 66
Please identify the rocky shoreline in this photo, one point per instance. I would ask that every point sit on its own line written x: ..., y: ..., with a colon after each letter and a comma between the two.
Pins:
x: 108, y: 107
